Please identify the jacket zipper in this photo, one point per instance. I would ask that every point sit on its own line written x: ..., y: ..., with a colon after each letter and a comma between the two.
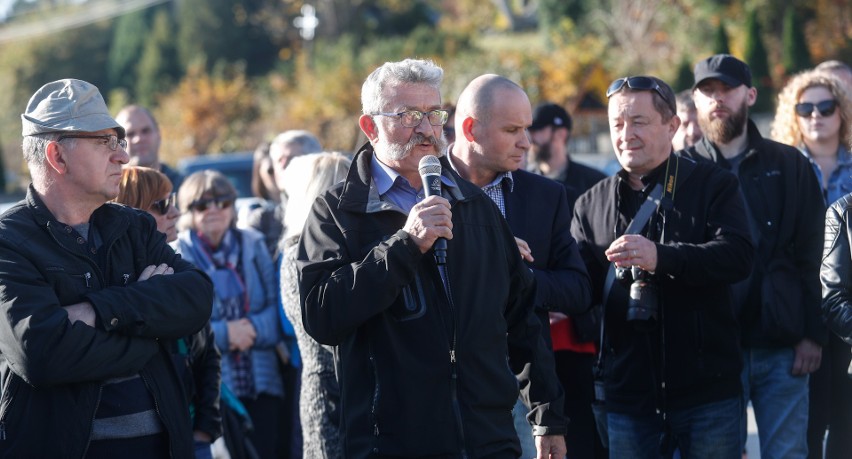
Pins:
x: 157, y: 410
x: 453, y: 363
x: 374, y: 408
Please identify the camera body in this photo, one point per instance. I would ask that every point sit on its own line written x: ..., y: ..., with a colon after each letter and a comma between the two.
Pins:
x: 644, y: 304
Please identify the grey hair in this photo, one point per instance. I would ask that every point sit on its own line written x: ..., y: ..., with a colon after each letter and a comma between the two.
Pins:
x: 408, y: 71
x: 35, y: 150
x: 304, y: 139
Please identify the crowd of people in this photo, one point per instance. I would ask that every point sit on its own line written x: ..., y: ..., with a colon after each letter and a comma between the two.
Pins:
x: 458, y: 287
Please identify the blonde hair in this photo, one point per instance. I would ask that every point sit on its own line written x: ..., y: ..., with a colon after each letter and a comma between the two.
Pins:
x: 305, y: 178
x: 142, y: 186
x: 207, y: 182
x: 785, y: 126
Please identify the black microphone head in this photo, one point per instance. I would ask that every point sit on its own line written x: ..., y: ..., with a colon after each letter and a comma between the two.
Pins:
x: 429, y: 165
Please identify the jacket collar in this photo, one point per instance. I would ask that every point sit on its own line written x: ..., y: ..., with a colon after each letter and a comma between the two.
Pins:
x: 108, y: 218
x: 360, y: 194
x: 708, y: 150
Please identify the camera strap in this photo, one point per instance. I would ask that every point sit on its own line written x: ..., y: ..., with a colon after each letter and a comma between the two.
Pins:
x: 643, y: 216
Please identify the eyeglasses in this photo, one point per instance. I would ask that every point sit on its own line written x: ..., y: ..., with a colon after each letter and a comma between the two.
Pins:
x: 220, y: 203
x: 825, y: 108
x: 164, y: 205
x: 112, y: 140
x: 641, y: 83
x: 413, y: 118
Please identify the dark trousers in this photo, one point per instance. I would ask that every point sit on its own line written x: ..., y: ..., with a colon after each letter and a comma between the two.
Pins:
x: 267, y: 418
x: 830, y: 402
x: 575, y: 373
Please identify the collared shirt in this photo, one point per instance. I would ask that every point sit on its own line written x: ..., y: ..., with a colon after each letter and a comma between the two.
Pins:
x: 395, y: 188
x: 840, y: 181
x: 494, y: 190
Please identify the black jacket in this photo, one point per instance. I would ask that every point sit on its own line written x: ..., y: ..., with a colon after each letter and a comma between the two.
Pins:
x: 706, y: 247
x: 836, y: 270
x: 51, y: 371
x: 366, y: 288
x: 787, y: 210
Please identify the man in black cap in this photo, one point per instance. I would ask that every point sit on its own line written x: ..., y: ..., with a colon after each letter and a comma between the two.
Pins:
x: 778, y: 305
x: 92, y: 299
x: 549, y: 134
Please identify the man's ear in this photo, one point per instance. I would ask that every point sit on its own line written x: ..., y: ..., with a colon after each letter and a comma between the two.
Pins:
x: 55, y: 155
x: 751, y: 96
x: 467, y: 129
x: 368, y: 126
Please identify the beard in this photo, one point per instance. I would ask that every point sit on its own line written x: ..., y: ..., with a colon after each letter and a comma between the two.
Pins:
x: 542, y: 153
x: 723, y: 130
x: 397, y: 152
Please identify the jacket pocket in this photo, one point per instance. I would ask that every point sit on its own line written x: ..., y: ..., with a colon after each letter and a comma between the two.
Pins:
x: 782, y: 316
x: 413, y: 304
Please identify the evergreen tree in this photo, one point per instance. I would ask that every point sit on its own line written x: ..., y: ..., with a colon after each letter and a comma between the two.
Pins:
x: 757, y: 59
x: 720, y: 41
x: 551, y: 13
x: 158, y: 68
x: 796, y: 56
x: 685, y: 76
x: 128, y: 39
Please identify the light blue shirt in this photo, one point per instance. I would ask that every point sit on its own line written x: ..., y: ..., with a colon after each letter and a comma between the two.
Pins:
x: 840, y: 181
x: 395, y: 188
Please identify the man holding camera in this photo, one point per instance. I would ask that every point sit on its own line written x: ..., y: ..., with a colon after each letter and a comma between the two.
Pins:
x: 670, y: 359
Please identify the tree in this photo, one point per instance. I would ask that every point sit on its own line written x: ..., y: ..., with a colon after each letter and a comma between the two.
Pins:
x: 685, y: 76
x: 158, y: 68
x: 757, y: 59
x: 128, y: 40
x: 795, y: 55
x: 720, y: 41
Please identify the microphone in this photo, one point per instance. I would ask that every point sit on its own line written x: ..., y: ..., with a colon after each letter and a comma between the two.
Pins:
x: 430, y: 173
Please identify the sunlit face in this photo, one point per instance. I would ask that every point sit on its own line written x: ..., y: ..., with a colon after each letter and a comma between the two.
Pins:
x: 402, y: 147
x: 817, y: 128
x: 722, y: 109
x: 280, y: 155
x: 214, y: 217
x: 166, y: 223
x: 143, y: 137
x: 641, y: 139
x: 502, y: 141
x: 93, y: 169
x: 689, y: 131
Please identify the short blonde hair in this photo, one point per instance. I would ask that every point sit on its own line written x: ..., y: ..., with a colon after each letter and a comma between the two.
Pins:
x: 305, y: 178
x: 142, y: 186
x: 785, y: 126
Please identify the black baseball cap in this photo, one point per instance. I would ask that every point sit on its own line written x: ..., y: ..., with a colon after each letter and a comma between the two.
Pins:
x: 730, y: 70
x: 550, y: 114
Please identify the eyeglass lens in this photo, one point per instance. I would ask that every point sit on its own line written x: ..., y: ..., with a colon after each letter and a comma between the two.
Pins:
x: 825, y: 108
x: 204, y: 204
x: 163, y: 205
x: 413, y: 118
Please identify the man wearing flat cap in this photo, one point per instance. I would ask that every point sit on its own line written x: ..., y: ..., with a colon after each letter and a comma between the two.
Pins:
x: 778, y: 305
x: 91, y: 298
x: 549, y: 134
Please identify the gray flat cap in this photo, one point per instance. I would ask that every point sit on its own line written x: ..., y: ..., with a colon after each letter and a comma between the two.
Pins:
x: 67, y: 106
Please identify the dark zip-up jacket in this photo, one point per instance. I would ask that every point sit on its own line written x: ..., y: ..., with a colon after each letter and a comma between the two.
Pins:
x: 366, y: 288
x: 705, y: 248
x: 783, y: 196
x: 52, y: 371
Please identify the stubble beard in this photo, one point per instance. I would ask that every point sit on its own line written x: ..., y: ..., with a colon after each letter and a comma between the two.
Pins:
x: 722, y: 131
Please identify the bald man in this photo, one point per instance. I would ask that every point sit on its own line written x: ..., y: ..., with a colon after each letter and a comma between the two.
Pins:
x: 492, y: 118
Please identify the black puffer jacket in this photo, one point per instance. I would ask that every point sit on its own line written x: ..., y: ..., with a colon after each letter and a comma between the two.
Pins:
x: 836, y: 270
x: 51, y: 371
x: 366, y: 288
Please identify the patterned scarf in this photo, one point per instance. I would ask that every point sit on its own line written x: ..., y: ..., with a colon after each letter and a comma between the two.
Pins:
x: 223, y: 266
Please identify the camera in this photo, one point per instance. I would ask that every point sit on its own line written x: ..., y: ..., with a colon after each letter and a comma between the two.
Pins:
x: 643, y: 306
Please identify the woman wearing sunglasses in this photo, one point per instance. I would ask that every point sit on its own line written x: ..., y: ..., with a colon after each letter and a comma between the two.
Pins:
x: 815, y: 114
x: 245, y: 314
x: 150, y: 190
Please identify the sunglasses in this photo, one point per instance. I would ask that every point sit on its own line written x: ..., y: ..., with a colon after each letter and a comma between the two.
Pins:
x: 203, y: 204
x: 164, y: 205
x: 825, y: 108
x: 641, y: 83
